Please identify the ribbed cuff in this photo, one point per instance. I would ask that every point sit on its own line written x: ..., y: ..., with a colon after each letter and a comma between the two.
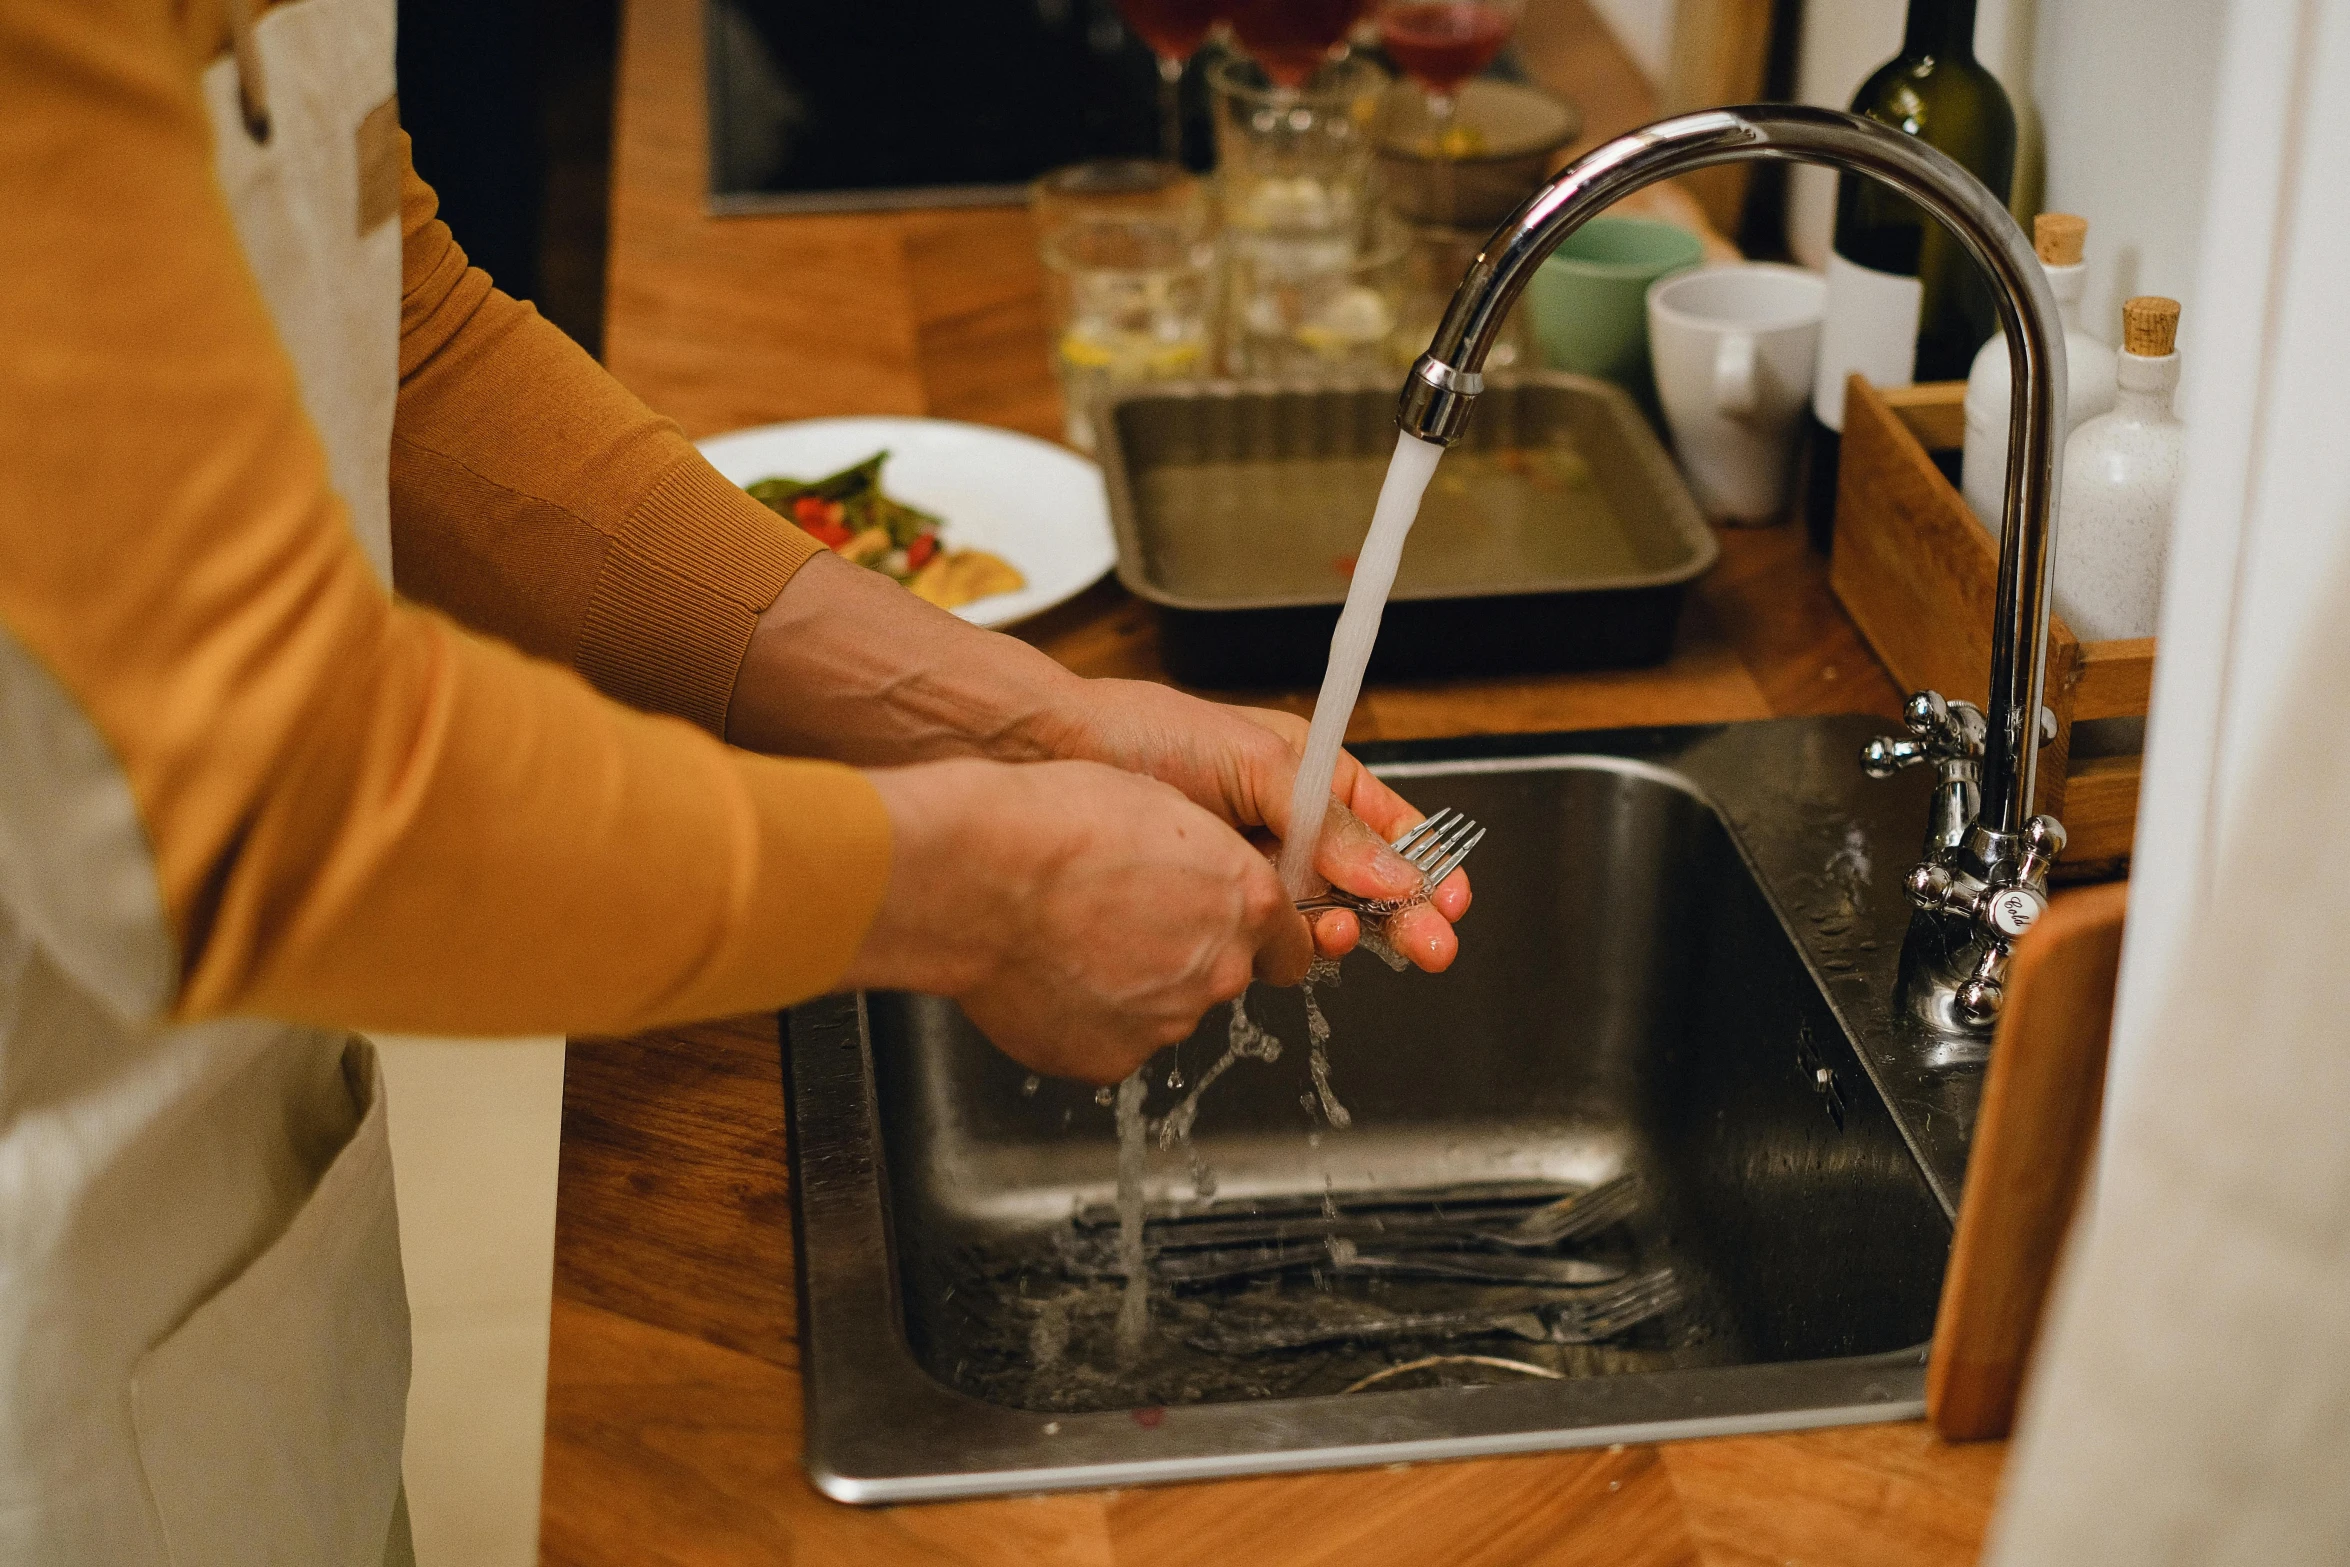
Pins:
x: 682, y: 587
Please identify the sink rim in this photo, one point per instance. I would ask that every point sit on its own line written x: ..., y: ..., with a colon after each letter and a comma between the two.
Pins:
x: 881, y: 1429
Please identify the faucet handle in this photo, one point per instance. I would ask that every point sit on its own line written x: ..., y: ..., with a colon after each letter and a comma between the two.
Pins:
x: 1982, y: 993
x: 1939, y: 731
x: 1888, y: 754
x: 2014, y: 903
x: 2044, y: 840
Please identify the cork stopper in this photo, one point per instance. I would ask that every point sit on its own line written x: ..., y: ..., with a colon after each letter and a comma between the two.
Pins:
x: 2150, y: 326
x: 2058, y: 237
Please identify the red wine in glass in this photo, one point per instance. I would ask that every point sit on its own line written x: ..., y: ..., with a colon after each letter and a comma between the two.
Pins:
x: 1174, y: 29
x: 1291, y: 38
x: 1442, y: 43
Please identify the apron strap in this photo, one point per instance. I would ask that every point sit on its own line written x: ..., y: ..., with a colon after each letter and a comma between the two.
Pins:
x: 252, y: 85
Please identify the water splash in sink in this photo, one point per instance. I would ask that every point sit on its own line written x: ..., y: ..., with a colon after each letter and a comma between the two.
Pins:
x: 1324, y: 972
x: 1246, y: 1041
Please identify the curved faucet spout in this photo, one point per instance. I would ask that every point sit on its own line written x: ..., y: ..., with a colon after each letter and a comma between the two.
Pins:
x: 1445, y: 381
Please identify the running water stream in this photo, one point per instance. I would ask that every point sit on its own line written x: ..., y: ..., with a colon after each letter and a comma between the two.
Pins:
x: 1408, y: 473
x: 1134, y: 1309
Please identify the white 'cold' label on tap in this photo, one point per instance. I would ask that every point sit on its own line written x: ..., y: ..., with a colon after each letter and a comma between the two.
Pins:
x: 1871, y: 327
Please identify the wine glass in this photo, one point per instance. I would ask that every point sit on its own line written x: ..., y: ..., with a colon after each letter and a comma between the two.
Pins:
x: 1291, y: 38
x: 1174, y: 29
x: 1442, y: 43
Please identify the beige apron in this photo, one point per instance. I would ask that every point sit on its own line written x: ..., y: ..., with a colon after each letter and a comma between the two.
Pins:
x: 203, y: 1331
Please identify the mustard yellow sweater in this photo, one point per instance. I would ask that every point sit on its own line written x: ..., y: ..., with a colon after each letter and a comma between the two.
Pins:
x: 429, y: 810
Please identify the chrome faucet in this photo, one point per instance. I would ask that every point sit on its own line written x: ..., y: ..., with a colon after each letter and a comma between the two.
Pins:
x: 1983, y: 879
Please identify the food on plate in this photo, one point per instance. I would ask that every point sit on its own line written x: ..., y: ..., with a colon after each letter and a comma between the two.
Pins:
x: 959, y: 576
x: 849, y: 513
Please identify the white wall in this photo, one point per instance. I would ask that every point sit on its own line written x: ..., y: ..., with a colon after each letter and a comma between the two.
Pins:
x: 1843, y: 41
x: 2125, y: 90
x: 1644, y: 28
x: 2114, y: 107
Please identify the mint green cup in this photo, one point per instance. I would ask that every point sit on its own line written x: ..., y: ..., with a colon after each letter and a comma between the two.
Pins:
x: 1589, y: 302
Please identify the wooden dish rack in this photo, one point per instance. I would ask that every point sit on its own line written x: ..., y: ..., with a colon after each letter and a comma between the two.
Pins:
x: 1918, y: 575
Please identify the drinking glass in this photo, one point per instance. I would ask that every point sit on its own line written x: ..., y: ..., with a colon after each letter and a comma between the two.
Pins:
x: 1120, y: 187
x: 1174, y: 29
x: 1294, y: 158
x: 1131, y: 296
x: 1441, y: 44
x: 1317, y: 307
x: 1292, y: 38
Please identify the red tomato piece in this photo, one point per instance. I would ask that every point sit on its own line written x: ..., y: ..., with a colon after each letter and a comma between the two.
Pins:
x: 919, y: 552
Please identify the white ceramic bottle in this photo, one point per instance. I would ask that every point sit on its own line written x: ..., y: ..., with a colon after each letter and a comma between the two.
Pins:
x: 2089, y: 371
x: 2121, y: 476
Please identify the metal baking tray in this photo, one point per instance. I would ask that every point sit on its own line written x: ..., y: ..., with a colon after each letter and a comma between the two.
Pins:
x: 1556, y: 535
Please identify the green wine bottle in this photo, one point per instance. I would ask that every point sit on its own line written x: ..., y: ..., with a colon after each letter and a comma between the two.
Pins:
x: 1905, y: 301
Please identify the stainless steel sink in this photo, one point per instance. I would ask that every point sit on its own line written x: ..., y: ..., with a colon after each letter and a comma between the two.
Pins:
x: 1680, y: 964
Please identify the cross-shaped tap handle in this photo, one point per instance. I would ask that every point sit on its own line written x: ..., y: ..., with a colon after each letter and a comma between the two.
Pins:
x: 1939, y: 731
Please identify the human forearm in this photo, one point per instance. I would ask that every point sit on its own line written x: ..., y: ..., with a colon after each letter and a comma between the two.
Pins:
x: 535, y: 499
x: 845, y: 664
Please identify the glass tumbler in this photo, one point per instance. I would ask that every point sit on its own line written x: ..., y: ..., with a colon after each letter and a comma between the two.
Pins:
x: 1318, y: 307
x: 1295, y: 159
x: 1131, y: 299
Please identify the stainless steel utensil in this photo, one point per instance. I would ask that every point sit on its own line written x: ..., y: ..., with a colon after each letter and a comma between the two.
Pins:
x: 1588, y: 1317
x: 1436, y: 848
x: 1461, y: 1218
x: 1345, y: 1259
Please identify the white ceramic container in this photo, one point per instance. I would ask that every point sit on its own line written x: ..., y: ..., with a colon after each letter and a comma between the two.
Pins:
x: 1733, y: 350
x: 2089, y: 391
x: 2121, y: 476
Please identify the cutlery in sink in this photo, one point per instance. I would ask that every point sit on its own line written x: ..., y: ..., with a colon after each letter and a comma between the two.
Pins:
x: 1434, y: 1240
x: 1275, y: 1323
x: 1460, y: 1218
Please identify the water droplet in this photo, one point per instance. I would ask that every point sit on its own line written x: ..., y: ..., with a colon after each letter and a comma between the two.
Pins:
x: 1174, y: 1079
x: 1033, y: 1083
x: 1103, y: 1097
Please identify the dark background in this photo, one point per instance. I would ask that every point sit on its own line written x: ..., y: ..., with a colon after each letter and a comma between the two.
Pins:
x: 510, y: 106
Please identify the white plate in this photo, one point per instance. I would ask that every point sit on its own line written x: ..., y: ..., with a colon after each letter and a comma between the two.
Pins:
x: 1039, y: 506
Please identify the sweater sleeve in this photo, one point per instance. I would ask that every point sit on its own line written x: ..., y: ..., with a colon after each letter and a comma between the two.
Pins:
x: 534, y: 498
x: 350, y: 809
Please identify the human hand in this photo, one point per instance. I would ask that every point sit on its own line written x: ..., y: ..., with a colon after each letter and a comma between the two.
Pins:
x: 1239, y: 763
x: 1082, y: 916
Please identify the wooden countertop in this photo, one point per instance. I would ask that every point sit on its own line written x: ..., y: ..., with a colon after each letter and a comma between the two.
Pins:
x: 673, y: 1429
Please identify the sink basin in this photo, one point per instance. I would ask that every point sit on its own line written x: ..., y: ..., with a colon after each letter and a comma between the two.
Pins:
x: 1679, y: 967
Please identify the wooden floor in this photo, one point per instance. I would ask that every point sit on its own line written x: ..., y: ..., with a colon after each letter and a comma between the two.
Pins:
x: 674, y: 1400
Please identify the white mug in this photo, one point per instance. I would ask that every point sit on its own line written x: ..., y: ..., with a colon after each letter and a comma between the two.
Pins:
x: 1733, y: 348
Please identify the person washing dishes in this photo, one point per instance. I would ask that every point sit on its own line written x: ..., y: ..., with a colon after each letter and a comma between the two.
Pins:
x: 300, y: 523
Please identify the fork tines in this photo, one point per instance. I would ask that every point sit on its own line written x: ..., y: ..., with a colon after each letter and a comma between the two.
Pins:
x: 1438, y: 845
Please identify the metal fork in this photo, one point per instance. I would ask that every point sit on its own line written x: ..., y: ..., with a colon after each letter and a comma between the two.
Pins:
x: 1255, y: 1326
x: 1436, y: 848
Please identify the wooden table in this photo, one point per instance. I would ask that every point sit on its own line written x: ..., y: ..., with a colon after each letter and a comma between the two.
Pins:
x: 673, y: 1430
